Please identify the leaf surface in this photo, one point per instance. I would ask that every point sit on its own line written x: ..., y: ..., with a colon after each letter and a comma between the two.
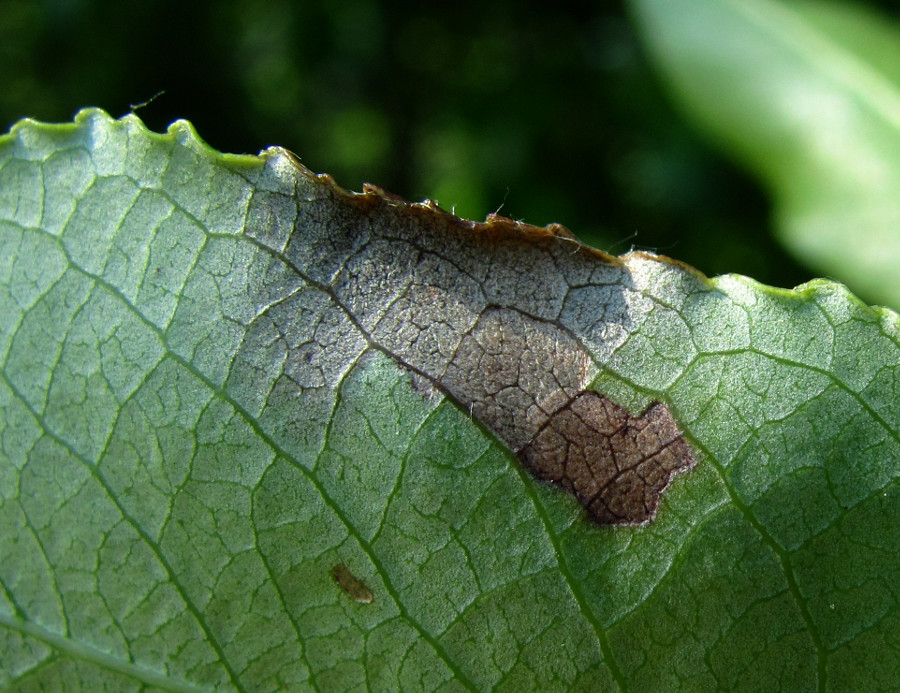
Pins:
x: 807, y: 95
x: 259, y: 433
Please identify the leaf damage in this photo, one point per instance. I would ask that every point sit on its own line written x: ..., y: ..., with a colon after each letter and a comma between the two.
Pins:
x: 615, y: 464
x: 352, y: 585
x: 509, y: 320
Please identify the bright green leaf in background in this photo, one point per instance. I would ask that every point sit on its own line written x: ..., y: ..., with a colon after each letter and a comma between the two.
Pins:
x: 807, y: 95
x: 211, y: 455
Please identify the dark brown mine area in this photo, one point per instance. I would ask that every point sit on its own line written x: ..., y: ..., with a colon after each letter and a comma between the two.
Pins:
x: 616, y: 465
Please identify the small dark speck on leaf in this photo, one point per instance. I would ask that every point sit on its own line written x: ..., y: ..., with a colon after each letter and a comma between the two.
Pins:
x: 352, y: 585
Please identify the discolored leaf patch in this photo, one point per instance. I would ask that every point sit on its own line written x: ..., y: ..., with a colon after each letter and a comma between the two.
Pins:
x: 352, y: 585
x: 616, y: 465
x: 524, y: 379
x: 510, y: 320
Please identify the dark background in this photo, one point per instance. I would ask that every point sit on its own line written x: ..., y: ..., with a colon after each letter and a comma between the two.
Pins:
x: 543, y: 113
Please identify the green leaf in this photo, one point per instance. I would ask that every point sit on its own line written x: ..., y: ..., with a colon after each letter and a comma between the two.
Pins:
x: 258, y: 433
x: 807, y: 95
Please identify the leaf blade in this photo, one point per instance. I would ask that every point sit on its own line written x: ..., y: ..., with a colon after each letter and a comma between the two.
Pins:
x: 270, y: 437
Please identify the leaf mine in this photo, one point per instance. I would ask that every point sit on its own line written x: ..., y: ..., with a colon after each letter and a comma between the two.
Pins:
x: 511, y: 321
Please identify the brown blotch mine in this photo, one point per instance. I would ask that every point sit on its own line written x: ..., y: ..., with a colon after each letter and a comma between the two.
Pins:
x: 617, y: 465
x: 495, y: 314
x: 352, y: 585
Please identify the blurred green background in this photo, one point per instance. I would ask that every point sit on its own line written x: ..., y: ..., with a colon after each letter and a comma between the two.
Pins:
x: 547, y: 113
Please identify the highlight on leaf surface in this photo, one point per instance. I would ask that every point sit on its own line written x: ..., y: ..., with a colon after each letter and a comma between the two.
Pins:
x: 224, y: 378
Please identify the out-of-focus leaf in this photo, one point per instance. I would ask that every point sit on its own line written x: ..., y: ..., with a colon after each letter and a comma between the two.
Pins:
x: 806, y: 94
